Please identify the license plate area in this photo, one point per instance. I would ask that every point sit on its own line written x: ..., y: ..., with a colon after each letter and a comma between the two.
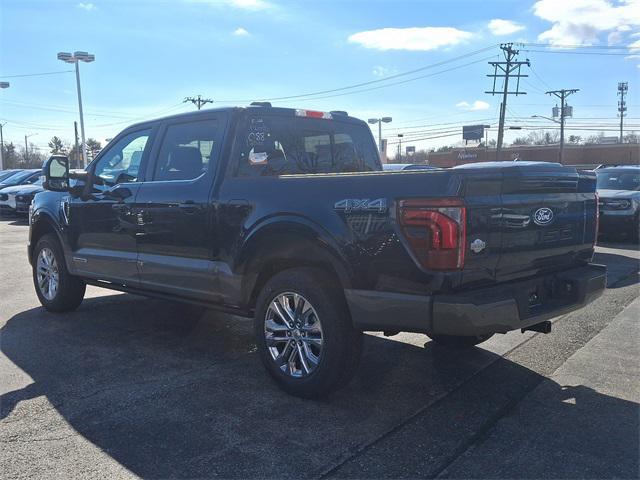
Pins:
x: 545, y: 294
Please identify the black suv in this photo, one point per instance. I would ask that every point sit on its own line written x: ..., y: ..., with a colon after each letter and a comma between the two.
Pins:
x: 286, y: 215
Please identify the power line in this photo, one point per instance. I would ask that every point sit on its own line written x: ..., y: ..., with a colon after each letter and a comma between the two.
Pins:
x: 36, y: 74
x: 457, y: 67
x: 576, y: 53
x: 597, y: 47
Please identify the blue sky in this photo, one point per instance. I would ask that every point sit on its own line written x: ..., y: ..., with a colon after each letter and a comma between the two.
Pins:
x: 150, y: 55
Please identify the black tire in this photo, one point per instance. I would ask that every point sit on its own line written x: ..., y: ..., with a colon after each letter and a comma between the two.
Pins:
x: 70, y: 289
x: 341, y: 343
x: 458, y: 341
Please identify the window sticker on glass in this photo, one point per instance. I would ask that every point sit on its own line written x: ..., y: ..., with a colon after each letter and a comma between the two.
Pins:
x: 258, y: 132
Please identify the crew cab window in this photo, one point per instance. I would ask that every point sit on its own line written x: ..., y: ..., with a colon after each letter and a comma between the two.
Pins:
x: 121, y: 162
x: 186, y: 151
x: 270, y: 145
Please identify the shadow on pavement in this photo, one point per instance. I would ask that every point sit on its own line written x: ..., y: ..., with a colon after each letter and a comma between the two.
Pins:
x: 171, y: 391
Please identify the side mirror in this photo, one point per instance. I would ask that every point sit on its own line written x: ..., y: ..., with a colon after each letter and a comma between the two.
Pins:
x: 56, y: 174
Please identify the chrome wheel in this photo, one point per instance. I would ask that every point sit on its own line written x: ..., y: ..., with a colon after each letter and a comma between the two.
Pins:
x: 47, y: 273
x: 293, y: 334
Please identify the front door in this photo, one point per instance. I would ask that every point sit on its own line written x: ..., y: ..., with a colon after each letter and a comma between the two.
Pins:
x: 177, y: 242
x: 102, y: 229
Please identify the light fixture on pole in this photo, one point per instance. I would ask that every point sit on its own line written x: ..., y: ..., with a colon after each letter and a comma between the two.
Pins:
x: 380, y: 121
x: 76, y: 58
x: 4, y: 84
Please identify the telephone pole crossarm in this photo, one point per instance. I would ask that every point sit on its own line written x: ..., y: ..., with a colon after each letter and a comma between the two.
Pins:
x: 510, y: 68
x: 562, y: 95
x: 198, y: 101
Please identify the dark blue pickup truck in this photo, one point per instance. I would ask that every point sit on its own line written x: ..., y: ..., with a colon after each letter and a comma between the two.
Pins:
x: 286, y: 216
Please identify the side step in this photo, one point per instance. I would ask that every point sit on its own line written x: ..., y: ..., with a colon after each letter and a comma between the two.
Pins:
x: 542, y: 327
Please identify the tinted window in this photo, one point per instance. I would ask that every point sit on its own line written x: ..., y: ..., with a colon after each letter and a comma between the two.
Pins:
x: 120, y: 162
x: 186, y: 151
x: 270, y: 145
x: 619, y: 180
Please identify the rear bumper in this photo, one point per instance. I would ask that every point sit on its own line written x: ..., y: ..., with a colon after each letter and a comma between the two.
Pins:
x: 496, y: 309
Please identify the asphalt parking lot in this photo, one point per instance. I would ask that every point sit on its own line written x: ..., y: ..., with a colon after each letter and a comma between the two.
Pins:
x: 131, y: 387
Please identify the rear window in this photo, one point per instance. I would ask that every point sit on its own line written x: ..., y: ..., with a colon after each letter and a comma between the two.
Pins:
x: 270, y: 146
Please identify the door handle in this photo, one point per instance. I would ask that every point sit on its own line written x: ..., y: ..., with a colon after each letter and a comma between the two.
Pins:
x: 188, y: 206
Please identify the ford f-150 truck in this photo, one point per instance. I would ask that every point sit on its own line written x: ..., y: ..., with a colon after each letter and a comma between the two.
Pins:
x: 286, y: 216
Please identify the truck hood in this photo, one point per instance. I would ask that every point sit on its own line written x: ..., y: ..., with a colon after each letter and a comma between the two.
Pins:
x: 18, y: 189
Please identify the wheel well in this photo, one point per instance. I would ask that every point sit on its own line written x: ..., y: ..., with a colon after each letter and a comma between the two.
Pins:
x: 291, y: 252
x: 38, y: 230
x: 275, y: 267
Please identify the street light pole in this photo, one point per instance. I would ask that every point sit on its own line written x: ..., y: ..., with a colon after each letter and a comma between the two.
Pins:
x: 2, y: 85
x: 379, y: 121
x: 2, y: 146
x: 76, y: 58
x: 26, y: 146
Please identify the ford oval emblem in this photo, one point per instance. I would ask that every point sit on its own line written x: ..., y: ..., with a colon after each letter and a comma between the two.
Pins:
x: 543, y: 216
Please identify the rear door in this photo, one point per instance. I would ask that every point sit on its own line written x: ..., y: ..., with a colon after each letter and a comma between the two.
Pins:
x: 177, y: 235
x: 547, y: 220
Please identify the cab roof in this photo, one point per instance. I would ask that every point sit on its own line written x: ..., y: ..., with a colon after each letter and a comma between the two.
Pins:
x: 262, y: 108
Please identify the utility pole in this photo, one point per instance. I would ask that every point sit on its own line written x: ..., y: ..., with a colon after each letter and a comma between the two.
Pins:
x: 510, y: 68
x: 198, y: 101
x: 2, y: 147
x: 562, y: 95
x: 400, y: 135
x: 623, y: 88
x: 26, y: 150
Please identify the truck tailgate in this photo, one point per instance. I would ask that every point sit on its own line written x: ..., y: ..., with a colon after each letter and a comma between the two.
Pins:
x: 547, y: 221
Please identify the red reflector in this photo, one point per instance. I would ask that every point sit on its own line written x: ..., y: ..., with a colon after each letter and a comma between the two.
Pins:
x: 435, y: 231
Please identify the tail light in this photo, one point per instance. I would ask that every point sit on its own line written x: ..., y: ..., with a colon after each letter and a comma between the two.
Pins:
x: 595, y: 238
x: 435, y: 230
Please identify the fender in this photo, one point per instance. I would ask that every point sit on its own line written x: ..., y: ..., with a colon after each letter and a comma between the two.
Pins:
x: 291, y: 240
x: 44, y: 218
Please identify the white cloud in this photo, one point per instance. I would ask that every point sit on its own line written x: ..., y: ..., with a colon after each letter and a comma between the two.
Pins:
x: 380, y: 71
x: 579, y: 22
x: 414, y: 38
x: 499, y: 26
x: 635, y: 46
x: 241, y: 32
x: 472, y: 107
x: 86, y: 6
x: 241, y: 4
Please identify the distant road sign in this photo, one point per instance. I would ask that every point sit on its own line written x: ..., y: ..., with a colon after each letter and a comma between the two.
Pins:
x: 410, y: 149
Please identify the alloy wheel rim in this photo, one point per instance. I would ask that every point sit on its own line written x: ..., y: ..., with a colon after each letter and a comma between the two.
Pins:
x: 47, y: 274
x: 293, y: 334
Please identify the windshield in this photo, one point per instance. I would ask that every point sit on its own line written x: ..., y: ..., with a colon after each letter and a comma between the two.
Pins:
x: 619, y: 180
x: 6, y: 174
x: 18, y: 178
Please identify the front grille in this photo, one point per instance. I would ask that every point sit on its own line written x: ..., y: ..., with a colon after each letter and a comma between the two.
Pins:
x: 611, y: 204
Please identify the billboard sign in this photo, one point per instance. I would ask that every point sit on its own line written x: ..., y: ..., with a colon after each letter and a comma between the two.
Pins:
x: 473, y: 132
